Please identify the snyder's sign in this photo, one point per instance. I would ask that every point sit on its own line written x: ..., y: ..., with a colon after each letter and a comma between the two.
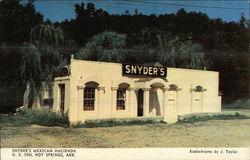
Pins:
x: 152, y: 71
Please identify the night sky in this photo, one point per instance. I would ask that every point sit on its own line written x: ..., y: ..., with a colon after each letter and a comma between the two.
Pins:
x: 228, y: 10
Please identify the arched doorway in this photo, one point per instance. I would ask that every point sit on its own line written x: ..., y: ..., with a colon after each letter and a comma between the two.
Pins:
x: 155, y: 102
x: 140, y: 103
x: 156, y: 99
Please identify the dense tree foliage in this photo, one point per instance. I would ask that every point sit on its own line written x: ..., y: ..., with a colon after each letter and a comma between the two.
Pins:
x: 46, y: 34
x: 184, y: 39
x: 234, y: 70
x: 16, y: 21
x: 212, y: 34
x: 106, y: 46
x: 40, y: 61
x: 31, y: 73
x: 47, y: 38
x: 181, y: 54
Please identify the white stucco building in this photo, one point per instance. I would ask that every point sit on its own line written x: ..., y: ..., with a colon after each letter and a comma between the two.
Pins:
x: 97, y: 90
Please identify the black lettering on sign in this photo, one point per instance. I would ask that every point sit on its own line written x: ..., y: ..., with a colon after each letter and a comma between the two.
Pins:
x: 139, y: 70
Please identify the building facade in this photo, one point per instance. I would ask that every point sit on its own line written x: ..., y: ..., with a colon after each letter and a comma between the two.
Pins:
x: 98, y: 90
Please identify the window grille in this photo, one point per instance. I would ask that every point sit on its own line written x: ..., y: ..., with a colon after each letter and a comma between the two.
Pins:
x: 121, y: 99
x: 89, y: 99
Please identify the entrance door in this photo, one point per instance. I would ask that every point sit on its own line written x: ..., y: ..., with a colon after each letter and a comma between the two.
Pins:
x: 140, y: 103
x: 62, y: 96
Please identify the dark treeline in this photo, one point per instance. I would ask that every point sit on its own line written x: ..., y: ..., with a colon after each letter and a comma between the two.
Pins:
x: 225, y: 44
x: 212, y: 34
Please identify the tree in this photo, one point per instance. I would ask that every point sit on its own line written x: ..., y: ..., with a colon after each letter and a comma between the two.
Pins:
x: 191, y: 56
x: 243, y: 21
x: 150, y: 36
x: 47, y: 37
x: 88, y: 22
x: 31, y: 75
x: 142, y: 54
x: 181, y: 53
x: 106, y: 46
x: 46, y: 33
x: 44, y: 56
x: 16, y: 20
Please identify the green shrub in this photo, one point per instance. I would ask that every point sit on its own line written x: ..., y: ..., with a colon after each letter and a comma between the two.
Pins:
x: 34, y: 116
x: 44, y: 117
x: 9, y: 120
x: 117, y: 122
x: 190, y: 118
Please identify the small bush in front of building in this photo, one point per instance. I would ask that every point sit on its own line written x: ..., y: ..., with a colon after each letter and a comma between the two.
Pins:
x: 117, y: 122
x: 46, y: 117
x: 190, y: 118
x: 27, y: 117
x: 12, y: 120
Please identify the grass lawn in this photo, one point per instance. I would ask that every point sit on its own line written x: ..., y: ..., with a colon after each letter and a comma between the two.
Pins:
x: 212, y: 133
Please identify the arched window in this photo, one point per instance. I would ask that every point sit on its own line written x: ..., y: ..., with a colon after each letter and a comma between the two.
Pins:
x: 121, y: 96
x: 89, y: 97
